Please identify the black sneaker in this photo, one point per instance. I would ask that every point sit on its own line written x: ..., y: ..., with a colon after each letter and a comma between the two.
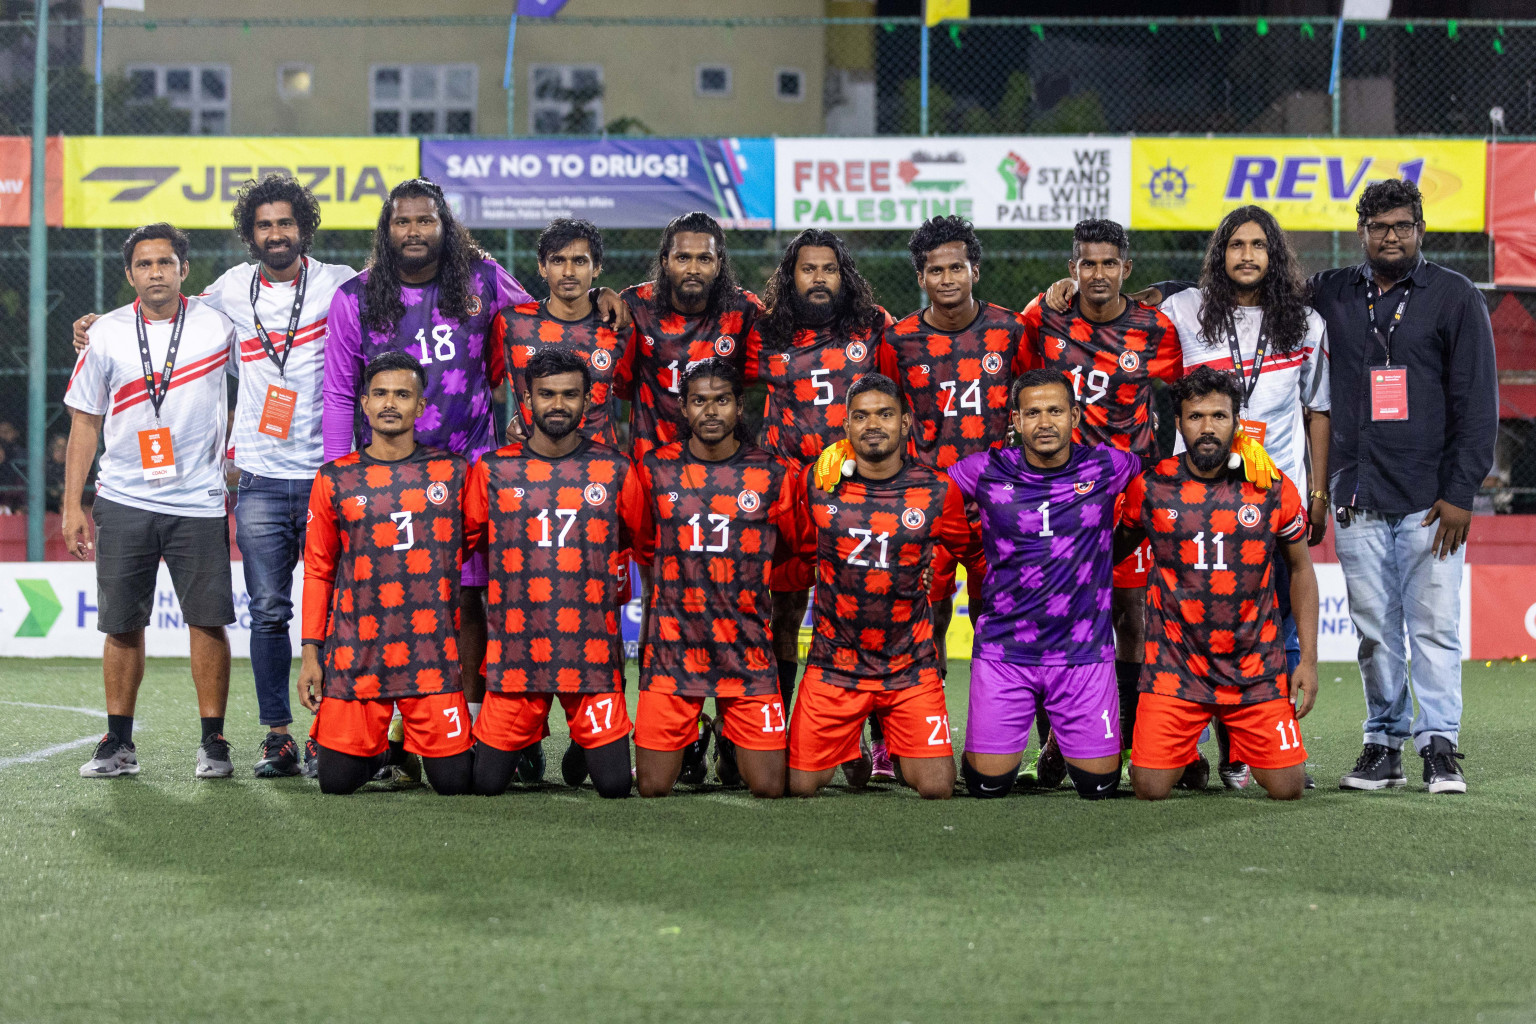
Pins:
x: 1379, y: 767
x: 696, y: 756
x: 530, y: 769
x: 1234, y: 774
x: 573, y: 765
x: 1197, y: 775
x: 112, y: 758
x: 1441, y: 773
x: 726, y: 769
x: 278, y: 757
x: 213, y: 759
x: 311, y: 769
x: 1051, y: 769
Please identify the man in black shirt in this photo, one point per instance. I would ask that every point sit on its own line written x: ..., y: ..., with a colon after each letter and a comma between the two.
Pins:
x: 1415, y: 418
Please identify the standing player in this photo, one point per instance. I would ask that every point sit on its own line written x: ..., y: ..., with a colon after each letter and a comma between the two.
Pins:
x: 386, y: 522
x: 1214, y: 645
x: 1043, y: 636
x: 719, y: 512
x: 871, y: 533
x: 690, y: 310
x: 821, y: 332
x: 1113, y: 349
x: 555, y: 514
x: 570, y: 258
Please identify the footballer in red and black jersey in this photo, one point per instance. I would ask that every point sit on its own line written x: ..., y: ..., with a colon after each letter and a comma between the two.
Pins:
x: 1111, y: 366
x: 382, y: 555
x: 1213, y: 627
x: 808, y: 384
x: 557, y: 535
x: 711, y: 535
x: 957, y: 381
x: 661, y: 346
x: 520, y: 331
x: 870, y: 542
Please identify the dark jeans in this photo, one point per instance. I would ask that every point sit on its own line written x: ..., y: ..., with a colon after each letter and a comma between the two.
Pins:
x: 269, y: 527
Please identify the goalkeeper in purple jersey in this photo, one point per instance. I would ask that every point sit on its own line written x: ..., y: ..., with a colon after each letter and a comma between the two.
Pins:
x: 1043, y: 635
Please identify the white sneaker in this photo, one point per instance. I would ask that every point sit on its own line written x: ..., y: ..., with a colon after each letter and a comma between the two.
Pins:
x: 213, y: 759
x: 113, y: 757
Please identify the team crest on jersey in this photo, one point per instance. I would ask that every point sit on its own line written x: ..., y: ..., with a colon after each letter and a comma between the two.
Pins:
x: 595, y: 494
x: 992, y: 363
x: 856, y: 351
x: 1083, y: 486
x: 601, y: 360
x: 1129, y: 361
x: 1248, y: 515
x: 437, y: 493
x: 725, y: 345
x: 748, y: 501
x: 913, y: 518
x: 473, y: 307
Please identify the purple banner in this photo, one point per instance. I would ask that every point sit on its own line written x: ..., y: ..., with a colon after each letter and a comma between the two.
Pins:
x: 615, y: 183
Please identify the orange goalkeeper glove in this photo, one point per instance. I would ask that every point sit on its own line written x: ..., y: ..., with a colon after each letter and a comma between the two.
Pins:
x: 834, y: 462
x: 1258, y: 467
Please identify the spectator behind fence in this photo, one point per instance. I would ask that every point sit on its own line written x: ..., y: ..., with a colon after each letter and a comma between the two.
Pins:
x: 1415, y: 418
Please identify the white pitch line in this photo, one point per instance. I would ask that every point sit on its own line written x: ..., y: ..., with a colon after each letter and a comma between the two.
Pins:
x: 47, y: 752
x: 54, y: 707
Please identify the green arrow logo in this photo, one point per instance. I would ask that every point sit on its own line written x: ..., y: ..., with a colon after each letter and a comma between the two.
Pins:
x: 43, y: 607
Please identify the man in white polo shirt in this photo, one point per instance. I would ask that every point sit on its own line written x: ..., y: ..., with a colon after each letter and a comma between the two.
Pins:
x: 152, y: 380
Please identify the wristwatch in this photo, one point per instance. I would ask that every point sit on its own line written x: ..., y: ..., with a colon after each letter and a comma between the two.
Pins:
x: 1319, y: 496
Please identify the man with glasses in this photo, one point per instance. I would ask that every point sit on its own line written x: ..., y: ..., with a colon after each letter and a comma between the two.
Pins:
x: 1415, y: 417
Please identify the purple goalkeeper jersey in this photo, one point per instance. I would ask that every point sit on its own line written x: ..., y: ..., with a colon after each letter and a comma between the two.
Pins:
x: 1048, y: 535
x: 460, y: 370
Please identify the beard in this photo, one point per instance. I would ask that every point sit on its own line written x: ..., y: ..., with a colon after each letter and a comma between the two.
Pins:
x: 1205, y: 462
x: 1394, y: 269
x: 555, y: 431
x: 411, y: 264
x: 815, y: 314
x: 278, y: 259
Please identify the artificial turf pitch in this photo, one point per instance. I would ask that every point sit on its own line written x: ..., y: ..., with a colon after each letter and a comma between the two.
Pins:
x: 162, y: 898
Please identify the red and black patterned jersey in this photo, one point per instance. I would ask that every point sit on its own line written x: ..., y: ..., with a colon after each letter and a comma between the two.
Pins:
x: 808, y: 386
x: 712, y: 534
x: 557, y: 534
x: 869, y: 542
x: 524, y: 330
x: 957, y: 381
x: 661, y: 347
x: 1213, y: 626
x: 1111, y: 367
x: 382, y: 554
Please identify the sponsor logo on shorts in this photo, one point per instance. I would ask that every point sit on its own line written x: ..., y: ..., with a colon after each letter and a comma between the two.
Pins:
x: 601, y: 360
x: 748, y: 501
x: 856, y: 350
x: 437, y: 493
x: 992, y: 363
x: 1083, y: 486
x: 1129, y: 361
x: 913, y: 518
x: 595, y: 494
x: 725, y: 345
x: 1248, y: 515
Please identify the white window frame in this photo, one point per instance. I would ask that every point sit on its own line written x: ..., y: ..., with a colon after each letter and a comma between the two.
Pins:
x: 439, y: 106
x: 195, y: 104
x: 538, y: 105
x: 730, y: 81
x: 788, y: 71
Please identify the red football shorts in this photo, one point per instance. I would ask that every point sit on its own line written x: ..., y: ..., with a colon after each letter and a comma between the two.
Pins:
x: 435, y: 726
x: 1132, y: 572
x: 665, y: 721
x: 828, y: 721
x: 511, y: 721
x: 1168, y: 732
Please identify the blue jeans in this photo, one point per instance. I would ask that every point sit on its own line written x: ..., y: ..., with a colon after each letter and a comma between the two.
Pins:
x: 1404, y: 602
x: 269, y: 527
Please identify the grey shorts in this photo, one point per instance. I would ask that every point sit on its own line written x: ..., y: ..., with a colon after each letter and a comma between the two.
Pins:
x: 130, y: 542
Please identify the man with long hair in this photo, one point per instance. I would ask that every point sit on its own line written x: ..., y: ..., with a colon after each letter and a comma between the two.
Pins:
x: 692, y: 309
x: 821, y: 332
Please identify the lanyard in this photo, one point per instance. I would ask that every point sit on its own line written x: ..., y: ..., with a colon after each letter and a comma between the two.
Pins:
x: 293, y: 318
x: 157, y: 397
x: 1249, y: 386
x: 1385, y: 337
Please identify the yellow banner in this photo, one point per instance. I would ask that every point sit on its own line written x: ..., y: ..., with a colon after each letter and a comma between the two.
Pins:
x: 1308, y: 184
x: 122, y: 182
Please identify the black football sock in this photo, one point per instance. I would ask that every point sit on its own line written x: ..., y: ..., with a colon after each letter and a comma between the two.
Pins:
x: 1223, y: 741
x: 121, y: 726
x: 1042, y: 725
x: 450, y: 776
x: 341, y: 774
x: 787, y: 672
x: 493, y: 768
x: 986, y: 787
x: 213, y: 727
x: 609, y: 767
x: 1091, y: 786
x: 396, y: 754
x: 876, y: 733
x: 1127, y: 676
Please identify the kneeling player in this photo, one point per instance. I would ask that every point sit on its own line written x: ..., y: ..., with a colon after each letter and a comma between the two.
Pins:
x: 386, y: 521
x: 870, y: 533
x: 1214, y: 644
x: 719, y: 512
x: 555, y: 513
x: 1044, y: 634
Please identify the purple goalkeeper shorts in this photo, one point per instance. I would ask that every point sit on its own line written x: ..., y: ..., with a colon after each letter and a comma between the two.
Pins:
x: 475, y: 572
x: 1082, y: 701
